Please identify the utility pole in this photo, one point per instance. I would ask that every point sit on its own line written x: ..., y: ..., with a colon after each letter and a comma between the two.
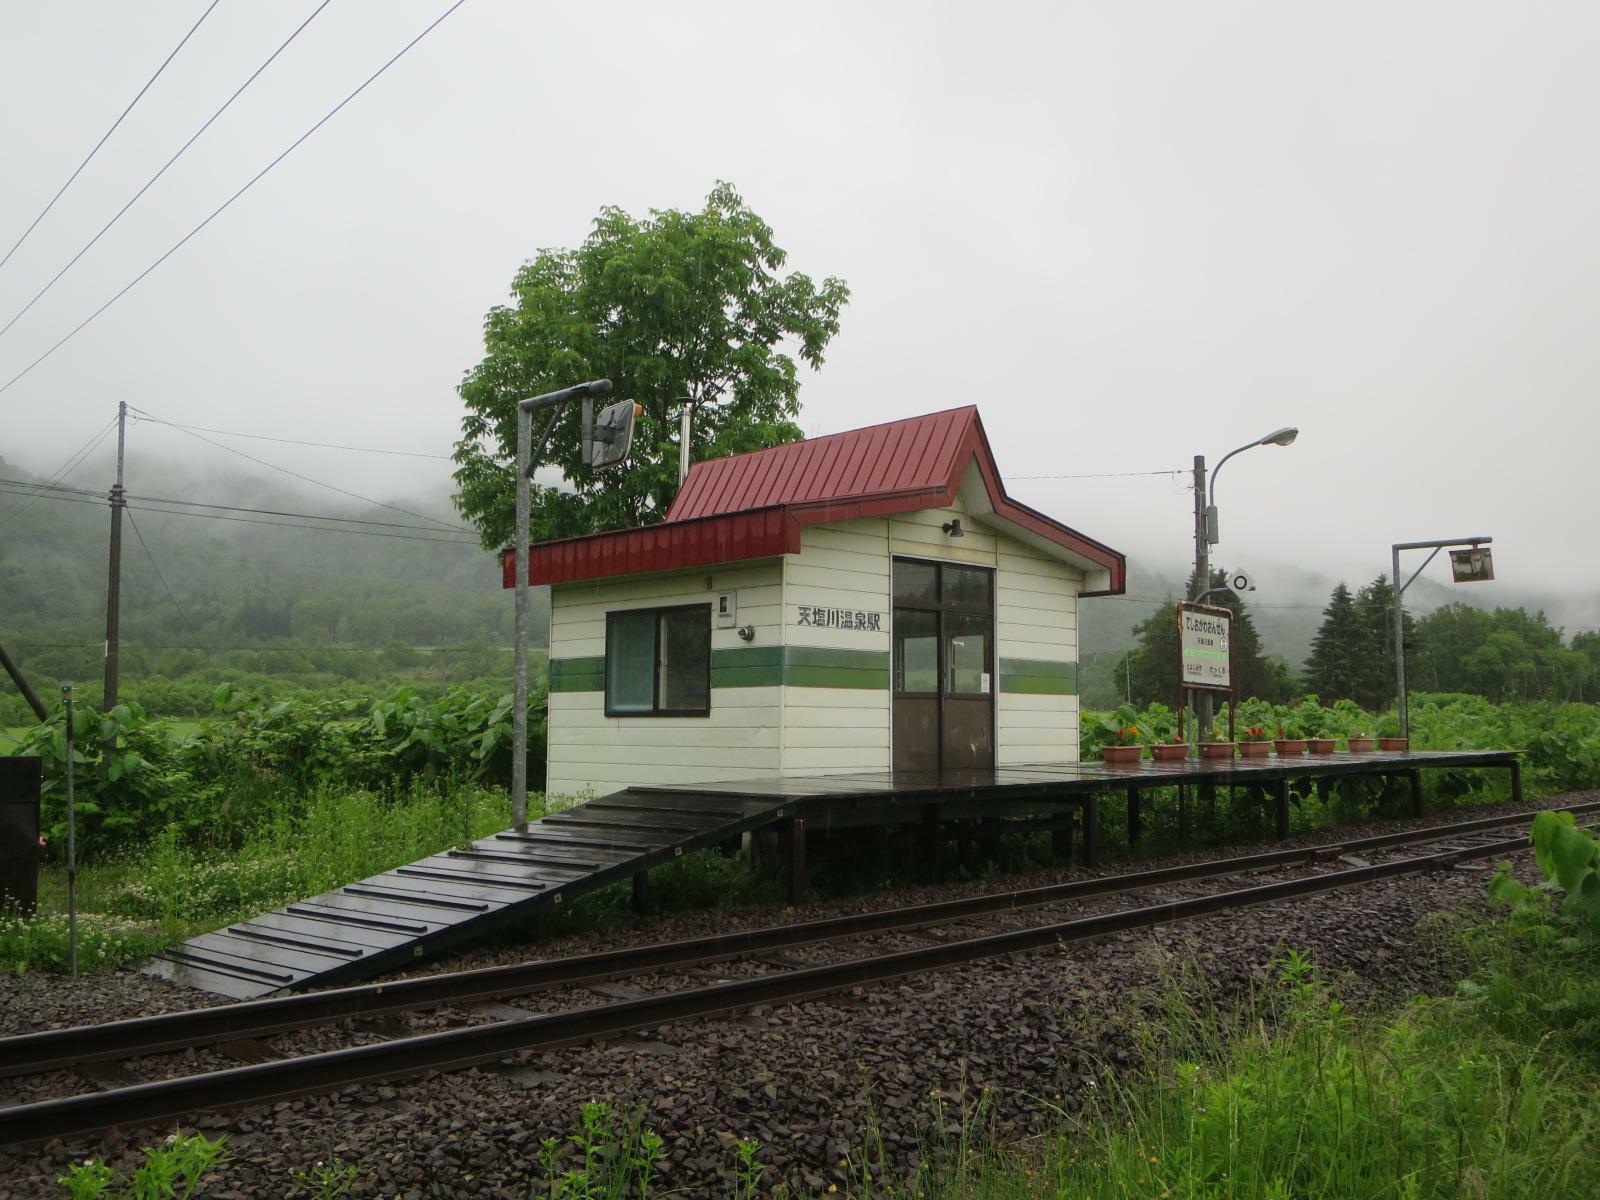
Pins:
x: 1202, y: 583
x: 114, y: 574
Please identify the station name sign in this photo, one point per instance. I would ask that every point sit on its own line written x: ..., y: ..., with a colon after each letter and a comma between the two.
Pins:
x: 840, y: 618
x: 1204, y: 637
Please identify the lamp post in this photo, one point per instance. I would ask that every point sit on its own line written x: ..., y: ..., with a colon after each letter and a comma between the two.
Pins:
x: 1399, y: 610
x: 527, y: 459
x: 1205, y: 533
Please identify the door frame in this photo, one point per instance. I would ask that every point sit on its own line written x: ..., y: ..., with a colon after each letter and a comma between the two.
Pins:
x: 992, y: 653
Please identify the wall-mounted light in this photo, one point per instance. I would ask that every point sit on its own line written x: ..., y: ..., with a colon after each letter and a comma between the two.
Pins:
x: 953, y: 528
x: 747, y: 632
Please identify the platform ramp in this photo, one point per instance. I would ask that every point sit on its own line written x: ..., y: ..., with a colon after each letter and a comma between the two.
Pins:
x: 460, y: 895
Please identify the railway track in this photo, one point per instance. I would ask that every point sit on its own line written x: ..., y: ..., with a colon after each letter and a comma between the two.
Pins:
x: 82, y: 1049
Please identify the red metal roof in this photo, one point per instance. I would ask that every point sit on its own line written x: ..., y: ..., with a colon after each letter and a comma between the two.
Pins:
x: 915, y: 455
x: 752, y: 505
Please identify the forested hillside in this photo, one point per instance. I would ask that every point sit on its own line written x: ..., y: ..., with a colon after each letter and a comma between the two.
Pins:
x: 218, y: 594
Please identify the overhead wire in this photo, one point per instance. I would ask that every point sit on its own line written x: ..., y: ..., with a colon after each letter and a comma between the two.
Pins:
x: 162, y: 578
x: 149, y: 182
x: 72, y: 463
x: 308, y: 479
x: 57, y: 491
x: 262, y: 437
x: 105, y: 136
x: 223, y: 207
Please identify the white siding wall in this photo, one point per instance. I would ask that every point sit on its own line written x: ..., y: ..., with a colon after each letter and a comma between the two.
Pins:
x: 741, y: 737
x: 834, y: 729
x: 1036, y: 619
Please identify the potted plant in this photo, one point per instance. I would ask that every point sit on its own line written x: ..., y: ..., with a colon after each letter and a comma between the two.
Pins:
x: 1218, y: 746
x: 1389, y: 734
x: 1359, y: 742
x: 1173, y: 749
x: 1255, y: 742
x: 1289, y: 742
x: 1125, y: 750
x: 1316, y: 726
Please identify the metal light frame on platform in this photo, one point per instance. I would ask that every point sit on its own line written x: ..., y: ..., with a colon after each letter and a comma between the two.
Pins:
x: 1484, y: 572
x: 604, y: 443
x: 1184, y: 687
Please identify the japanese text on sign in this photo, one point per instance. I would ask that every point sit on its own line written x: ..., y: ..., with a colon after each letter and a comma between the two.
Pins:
x: 840, y: 618
x: 1203, y: 647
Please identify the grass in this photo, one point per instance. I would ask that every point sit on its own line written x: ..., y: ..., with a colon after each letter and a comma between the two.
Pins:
x: 136, y: 900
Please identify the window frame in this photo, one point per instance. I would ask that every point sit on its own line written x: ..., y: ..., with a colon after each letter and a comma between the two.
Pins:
x: 655, y: 709
x: 942, y: 607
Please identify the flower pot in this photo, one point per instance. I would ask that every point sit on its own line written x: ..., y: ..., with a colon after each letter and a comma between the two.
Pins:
x: 1289, y: 747
x: 1254, y: 749
x: 1170, y: 751
x: 1394, y: 743
x: 1120, y: 756
x: 1320, y: 745
x: 1359, y: 745
x: 1216, y: 749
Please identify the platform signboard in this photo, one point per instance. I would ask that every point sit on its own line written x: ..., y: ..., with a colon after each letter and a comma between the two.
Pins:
x: 1205, y: 635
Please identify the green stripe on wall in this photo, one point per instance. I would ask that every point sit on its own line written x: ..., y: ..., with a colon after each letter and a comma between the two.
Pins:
x: 578, y: 674
x: 1038, y: 677
x: 753, y: 666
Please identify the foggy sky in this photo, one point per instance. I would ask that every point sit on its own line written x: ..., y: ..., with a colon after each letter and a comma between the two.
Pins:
x: 1131, y: 233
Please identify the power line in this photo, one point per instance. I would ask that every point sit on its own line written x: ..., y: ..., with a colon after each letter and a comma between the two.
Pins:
x: 74, y: 460
x: 467, y: 537
x: 261, y: 437
x: 161, y: 577
x: 411, y: 537
x: 109, y: 132
x: 1101, y: 475
x: 192, y: 139
x: 429, y: 535
x: 307, y: 479
x: 176, y: 246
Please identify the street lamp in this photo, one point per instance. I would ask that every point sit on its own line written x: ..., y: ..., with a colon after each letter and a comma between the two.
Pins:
x: 1205, y: 527
x: 1279, y: 437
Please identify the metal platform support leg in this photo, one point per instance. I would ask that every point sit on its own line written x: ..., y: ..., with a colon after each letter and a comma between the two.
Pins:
x: 929, y: 835
x: 1516, y: 781
x: 794, y: 851
x: 640, y: 891
x: 1061, y: 837
x: 1415, y: 779
x: 1280, y: 795
x: 1135, y: 817
x: 1091, y: 829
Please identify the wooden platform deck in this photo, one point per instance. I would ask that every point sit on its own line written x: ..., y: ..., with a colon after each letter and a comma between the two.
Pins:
x: 457, y: 895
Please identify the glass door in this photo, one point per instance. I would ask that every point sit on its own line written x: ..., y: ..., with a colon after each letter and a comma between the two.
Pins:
x: 943, y: 638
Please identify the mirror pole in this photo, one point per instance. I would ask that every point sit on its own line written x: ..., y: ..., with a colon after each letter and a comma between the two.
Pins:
x: 519, y: 691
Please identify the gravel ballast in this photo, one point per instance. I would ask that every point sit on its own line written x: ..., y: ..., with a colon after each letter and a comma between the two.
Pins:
x: 900, y: 1062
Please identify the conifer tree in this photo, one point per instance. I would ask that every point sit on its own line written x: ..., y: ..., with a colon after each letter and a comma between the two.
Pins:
x: 1333, y: 671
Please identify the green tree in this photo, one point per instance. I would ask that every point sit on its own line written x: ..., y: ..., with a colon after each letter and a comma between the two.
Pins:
x: 678, y: 304
x: 1152, y: 666
x: 1332, y: 670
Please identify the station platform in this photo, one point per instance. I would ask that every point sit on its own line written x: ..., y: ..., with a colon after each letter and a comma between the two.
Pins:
x: 456, y: 896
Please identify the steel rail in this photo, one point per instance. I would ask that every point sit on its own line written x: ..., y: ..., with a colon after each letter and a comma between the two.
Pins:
x: 141, y: 1036
x: 473, y: 1046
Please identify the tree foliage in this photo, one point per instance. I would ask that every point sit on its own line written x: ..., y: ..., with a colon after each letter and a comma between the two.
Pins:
x: 677, y: 304
x: 1333, y: 668
x: 1150, y: 671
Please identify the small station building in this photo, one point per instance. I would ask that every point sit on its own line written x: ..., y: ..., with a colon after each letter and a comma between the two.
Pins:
x: 866, y: 601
